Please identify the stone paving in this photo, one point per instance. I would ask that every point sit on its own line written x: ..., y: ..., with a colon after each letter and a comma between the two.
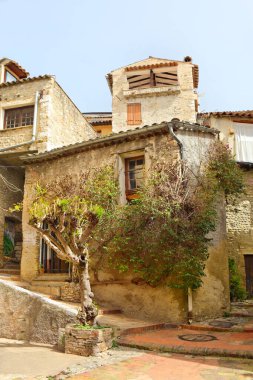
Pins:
x: 150, y: 366
x: 233, y: 344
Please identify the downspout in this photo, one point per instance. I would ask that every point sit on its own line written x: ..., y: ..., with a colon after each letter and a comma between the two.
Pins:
x: 34, y: 129
x: 189, y: 290
x: 180, y: 144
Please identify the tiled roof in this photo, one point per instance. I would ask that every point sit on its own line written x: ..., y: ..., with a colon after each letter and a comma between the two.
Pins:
x: 98, y: 118
x: 11, y: 63
x: 152, y: 66
x: 7, y: 84
x: 118, y: 137
x: 246, y: 113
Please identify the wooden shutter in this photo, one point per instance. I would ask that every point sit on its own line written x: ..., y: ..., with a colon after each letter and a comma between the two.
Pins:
x: 134, y: 114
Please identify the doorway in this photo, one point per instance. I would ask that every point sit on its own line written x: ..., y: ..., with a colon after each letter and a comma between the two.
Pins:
x: 248, y: 259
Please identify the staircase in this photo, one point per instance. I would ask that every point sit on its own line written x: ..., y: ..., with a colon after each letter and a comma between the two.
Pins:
x: 12, y: 266
x: 49, y: 283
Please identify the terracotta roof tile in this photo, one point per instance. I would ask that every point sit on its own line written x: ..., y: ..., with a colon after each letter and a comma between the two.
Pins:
x: 152, y: 66
x: 7, y: 84
x: 11, y: 63
x: 246, y: 113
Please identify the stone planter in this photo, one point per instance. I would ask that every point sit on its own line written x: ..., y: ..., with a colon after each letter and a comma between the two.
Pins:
x: 87, y: 342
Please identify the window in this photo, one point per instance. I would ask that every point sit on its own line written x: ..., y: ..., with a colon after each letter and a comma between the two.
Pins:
x: 243, y: 142
x: 8, y: 77
x: 18, y: 117
x: 134, y: 175
x: 134, y: 114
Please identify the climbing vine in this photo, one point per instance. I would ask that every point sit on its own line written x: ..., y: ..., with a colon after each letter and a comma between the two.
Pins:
x: 163, y: 236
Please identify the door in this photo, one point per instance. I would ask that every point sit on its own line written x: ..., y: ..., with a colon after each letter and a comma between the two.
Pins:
x: 50, y: 262
x: 249, y: 273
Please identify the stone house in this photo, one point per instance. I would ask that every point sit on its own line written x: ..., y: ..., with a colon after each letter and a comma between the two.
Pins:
x: 154, y: 106
x: 36, y: 115
x: 236, y: 130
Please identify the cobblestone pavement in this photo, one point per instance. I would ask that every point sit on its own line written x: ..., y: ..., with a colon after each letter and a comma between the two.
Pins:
x: 151, y: 366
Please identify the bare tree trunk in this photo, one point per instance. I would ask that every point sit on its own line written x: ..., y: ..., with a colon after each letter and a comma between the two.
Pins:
x: 88, y: 311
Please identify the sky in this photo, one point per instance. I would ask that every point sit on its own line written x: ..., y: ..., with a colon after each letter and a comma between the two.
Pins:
x: 80, y: 41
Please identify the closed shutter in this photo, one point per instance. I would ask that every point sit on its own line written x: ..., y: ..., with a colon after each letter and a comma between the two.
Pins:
x: 134, y: 114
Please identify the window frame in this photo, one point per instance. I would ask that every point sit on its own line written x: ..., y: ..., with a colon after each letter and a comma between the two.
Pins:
x: 20, y: 109
x: 131, y: 193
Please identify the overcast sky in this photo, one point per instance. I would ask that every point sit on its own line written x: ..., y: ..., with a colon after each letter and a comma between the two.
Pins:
x: 80, y: 41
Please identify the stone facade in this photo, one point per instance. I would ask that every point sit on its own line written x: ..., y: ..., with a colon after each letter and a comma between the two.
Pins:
x: 158, y: 104
x: 110, y: 287
x: 239, y: 220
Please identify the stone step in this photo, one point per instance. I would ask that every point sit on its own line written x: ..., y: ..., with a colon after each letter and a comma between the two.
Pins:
x: 9, y: 271
x: 11, y: 266
x: 49, y: 290
x: 49, y: 283
x: 9, y: 277
x: 53, y: 277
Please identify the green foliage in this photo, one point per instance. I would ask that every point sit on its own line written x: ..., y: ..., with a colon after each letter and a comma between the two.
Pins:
x: 223, y: 168
x: 8, y: 246
x: 76, y: 203
x: 88, y: 327
x: 237, y: 292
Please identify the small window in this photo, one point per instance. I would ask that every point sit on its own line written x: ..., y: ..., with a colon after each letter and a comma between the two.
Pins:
x: 8, y: 77
x: 134, y: 114
x: 134, y: 175
x: 18, y: 117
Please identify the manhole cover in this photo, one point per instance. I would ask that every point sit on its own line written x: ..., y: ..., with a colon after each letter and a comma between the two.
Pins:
x: 225, y: 324
x: 197, y: 337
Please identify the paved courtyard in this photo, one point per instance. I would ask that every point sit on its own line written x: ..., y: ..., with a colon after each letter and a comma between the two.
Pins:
x: 24, y: 361
x: 150, y: 366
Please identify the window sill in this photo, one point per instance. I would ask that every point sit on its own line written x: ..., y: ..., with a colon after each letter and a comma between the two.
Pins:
x: 15, y: 129
x: 133, y: 125
x: 152, y: 91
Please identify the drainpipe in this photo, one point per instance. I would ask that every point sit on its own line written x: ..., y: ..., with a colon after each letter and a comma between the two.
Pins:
x: 180, y: 144
x: 189, y: 290
x: 34, y: 130
x: 189, y: 314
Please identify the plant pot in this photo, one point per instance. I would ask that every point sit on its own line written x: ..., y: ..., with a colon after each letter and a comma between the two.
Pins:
x: 87, y: 342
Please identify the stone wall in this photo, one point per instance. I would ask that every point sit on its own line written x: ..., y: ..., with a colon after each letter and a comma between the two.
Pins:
x: 158, y: 104
x: 240, y: 226
x: 110, y: 287
x: 67, y: 124
x: 28, y: 316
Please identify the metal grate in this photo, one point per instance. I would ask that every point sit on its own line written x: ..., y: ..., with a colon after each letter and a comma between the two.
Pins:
x: 197, y: 337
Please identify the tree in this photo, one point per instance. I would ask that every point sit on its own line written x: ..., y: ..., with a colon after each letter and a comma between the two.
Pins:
x: 72, y: 209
